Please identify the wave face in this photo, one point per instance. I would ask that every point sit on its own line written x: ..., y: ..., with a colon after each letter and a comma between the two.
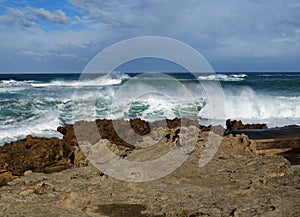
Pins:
x: 38, y: 104
x: 254, y: 107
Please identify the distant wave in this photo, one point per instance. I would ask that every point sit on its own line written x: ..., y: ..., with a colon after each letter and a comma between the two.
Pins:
x: 10, y: 86
x: 14, y: 83
x: 114, y: 79
x: 223, y: 77
x: 296, y: 74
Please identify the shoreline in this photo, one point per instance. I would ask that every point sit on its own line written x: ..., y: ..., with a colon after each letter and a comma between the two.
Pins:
x: 55, y: 174
x: 246, y: 125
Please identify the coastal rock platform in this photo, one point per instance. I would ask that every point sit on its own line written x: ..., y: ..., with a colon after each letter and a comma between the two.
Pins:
x: 235, y: 182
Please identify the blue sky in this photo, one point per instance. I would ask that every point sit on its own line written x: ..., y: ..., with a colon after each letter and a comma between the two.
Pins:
x: 233, y: 35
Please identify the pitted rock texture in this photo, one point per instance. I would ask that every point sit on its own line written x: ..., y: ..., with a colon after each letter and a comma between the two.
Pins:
x: 236, y: 182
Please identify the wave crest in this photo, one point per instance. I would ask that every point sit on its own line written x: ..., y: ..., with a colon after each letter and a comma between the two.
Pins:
x: 223, y: 77
x: 114, y: 78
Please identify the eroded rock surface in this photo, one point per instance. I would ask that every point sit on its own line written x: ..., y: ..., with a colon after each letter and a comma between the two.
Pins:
x: 235, y: 182
x: 52, y: 154
x: 36, y: 154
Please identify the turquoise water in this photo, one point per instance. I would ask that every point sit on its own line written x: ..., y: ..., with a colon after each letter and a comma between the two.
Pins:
x: 38, y: 103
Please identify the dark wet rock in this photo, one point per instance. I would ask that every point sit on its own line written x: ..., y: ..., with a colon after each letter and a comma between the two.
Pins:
x: 5, y: 176
x: 293, y: 156
x: 36, y: 154
x: 238, y: 125
x: 204, y: 128
x: 140, y: 126
x: 68, y: 134
x: 291, y: 126
x: 111, y: 130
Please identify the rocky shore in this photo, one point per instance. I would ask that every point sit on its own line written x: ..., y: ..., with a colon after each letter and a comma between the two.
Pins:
x: 52, y: 177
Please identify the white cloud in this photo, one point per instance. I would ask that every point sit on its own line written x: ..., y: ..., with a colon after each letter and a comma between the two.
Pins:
x: 57, y: 16
x: 17, y: 16
x: 28, y: 17
x: 46, y: 53
x: 111, y: 12
x: 220, y: 30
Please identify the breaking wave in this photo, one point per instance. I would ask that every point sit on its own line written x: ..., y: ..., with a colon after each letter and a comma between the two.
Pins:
x: 115, y: 78
x: 39, y: 107
x: 223, y: 77
x: 251, y: 106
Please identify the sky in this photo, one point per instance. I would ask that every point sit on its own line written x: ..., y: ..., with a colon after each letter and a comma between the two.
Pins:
x: 233, y: 35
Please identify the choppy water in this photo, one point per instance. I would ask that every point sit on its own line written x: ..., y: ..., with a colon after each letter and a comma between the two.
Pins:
x: 37, y: 104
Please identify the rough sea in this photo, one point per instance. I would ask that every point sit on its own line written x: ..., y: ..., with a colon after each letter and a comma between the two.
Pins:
x: 38, y: 103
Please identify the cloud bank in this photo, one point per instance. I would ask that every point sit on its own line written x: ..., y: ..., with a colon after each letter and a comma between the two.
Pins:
x: 253, y: 35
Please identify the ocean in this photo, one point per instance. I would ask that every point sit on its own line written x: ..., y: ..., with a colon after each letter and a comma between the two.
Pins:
x: 37, y: 104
